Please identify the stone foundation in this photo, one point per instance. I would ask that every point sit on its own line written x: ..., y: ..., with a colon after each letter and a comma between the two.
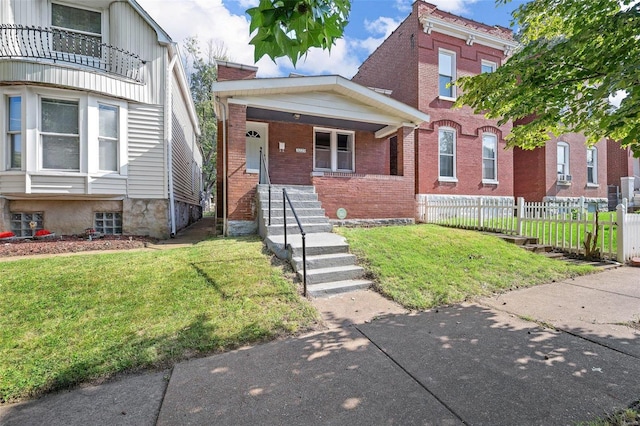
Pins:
x: 63, y: 217
x: 5, y: 224
x: 370, y: 223
x: 242, y: 227
x: 146, y: 217
x: 589, y: 203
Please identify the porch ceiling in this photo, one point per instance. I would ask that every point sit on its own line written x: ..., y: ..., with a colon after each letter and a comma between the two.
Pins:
x: 287, y: 117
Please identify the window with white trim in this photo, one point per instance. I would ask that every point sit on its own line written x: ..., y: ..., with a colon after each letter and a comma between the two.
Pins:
x: 446, y: 74
x: 14, y: 133
x: 563, y: 160
x: 489, y: 157
x: 108, y: 137
x: 333, y: 150
x: 60, y: 134
x: 21, y: 223
x: 487, y: 66
x: 592, y: 165
x: 108, y: 222
x: 447, y: 153
x: 77, y: 31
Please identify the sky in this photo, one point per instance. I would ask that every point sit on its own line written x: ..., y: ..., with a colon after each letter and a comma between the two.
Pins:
x: 224, y: 24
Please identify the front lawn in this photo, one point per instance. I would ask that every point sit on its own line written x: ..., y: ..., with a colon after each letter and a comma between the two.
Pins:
x: 66, y: 320
x: 423, y: 266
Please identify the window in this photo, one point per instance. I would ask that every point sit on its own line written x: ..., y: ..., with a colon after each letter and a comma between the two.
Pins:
x: 489, y: 157
x: 60, y: 134
x: 447, y: 153
x: 592, y: 166
x: 487, y: 66
x: 77, y: 31
x: 108, y: 222
x: 14, y: 136
x: 446, y: 73
x: 21, y: 223
x: 108, y: 137
x: 563, y: 160
x: 333, y: 150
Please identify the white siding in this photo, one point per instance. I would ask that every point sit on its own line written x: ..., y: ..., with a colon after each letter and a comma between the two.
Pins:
x: 147, y: 157
x: 47, y: 184
x: 108, y: 186
x: 12, y: 184
x: 186, y: 181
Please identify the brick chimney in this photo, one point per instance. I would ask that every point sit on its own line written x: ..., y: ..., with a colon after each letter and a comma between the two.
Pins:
x: 234, y: 71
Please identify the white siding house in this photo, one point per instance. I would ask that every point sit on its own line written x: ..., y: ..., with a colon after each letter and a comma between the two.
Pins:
x: 97, y: 125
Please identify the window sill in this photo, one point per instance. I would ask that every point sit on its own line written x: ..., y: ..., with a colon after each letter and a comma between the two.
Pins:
x: 490, y: 182
x: 563, y: 183
x: 447, y: 179
x: 593, y: 185
x: 447, y: 98
x: 252, y: 171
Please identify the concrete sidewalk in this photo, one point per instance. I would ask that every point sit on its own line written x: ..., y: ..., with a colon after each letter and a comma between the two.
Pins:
x: 478, y: 363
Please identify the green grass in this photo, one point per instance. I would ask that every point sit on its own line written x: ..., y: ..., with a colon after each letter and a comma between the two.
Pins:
x: 423, y: 266
x: 67, y: 320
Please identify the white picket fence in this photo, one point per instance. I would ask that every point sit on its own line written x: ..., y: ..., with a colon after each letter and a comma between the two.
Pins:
x: 563, y: 225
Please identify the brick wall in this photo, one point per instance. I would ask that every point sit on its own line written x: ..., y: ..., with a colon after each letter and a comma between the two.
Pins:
x: 235, y: 72
x: 412, y: 54
x: 536, y: 171
x: 372, y: 197
x: 618, y: 163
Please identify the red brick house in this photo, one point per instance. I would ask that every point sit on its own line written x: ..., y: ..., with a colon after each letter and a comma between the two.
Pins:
x: 623, y: 173
x: 458, y: 153
x: 353, y: 144
x: 564, y: 169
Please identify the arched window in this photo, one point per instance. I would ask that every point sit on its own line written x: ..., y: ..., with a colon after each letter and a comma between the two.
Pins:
x: 447, y: 153
x: 489, y: 157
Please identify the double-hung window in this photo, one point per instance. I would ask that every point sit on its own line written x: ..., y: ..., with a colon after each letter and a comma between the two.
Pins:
x: 446, y: 74
x: 108, y: 137
x: 14, y: 134
x: 60, y: 134
x: 592, y: 166
x: 447, y: 154
x: 333, y: 150
x: 489, y: 157
x: 76, y: 31
x: 487, y: 67
x: 563, y: 161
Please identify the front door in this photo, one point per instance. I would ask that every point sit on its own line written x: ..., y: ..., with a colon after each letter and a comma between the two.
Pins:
x: 256, y: 138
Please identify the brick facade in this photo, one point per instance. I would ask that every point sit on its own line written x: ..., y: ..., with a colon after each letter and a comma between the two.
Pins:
x: 619, y: 163
x: 412, y: 54
x: 536, y: 173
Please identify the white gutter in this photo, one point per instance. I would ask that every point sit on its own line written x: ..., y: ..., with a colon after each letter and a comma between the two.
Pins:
x: 169, y: 129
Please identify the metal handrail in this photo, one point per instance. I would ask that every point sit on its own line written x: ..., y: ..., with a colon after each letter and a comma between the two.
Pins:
x: 20, y: 41
x: 263, y: 163
x: 285, y: 199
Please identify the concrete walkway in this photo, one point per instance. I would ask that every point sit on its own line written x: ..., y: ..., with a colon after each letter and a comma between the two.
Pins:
x: 494, y: 362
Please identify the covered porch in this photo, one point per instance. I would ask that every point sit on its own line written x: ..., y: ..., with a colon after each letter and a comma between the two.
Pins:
x: 354, y: 145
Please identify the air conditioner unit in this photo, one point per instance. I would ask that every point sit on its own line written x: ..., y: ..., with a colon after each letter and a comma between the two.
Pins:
x: 564, y: 178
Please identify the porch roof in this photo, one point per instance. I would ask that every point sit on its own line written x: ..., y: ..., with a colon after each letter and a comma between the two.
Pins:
x: 328, y: 97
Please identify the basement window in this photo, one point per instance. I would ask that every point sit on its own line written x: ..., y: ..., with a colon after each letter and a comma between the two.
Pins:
x: 108, y: 223
x: 21, y: 223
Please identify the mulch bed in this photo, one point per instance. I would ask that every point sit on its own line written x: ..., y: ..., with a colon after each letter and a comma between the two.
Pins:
x: 71, y: 244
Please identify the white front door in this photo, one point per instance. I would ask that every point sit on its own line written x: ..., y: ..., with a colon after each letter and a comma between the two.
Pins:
x: 256, y: 138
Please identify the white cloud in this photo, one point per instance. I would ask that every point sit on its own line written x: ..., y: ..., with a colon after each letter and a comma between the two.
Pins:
x: 403, y: 5
x: 617, y: 98
x: 454, y: 6
x: 248, y: 3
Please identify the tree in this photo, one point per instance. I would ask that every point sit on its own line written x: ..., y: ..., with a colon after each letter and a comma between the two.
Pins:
x: 291, y: 27
x: 202, y: 73
x: 575, y: 55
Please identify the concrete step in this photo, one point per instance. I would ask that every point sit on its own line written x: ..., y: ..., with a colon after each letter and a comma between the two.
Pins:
x: 317, y: 244
x: 324, y: 261
x: 299, y: 211
x: 337, y: 273
x: 296, y: 196
x: 279, y: 220
x: 519, y: 240
x: 277, y: 205
x: 537, y: 248
x: 326, y: 289
x: 290, y: 188
x: 292, y: 228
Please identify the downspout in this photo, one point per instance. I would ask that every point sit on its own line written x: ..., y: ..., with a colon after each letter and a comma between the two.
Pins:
x: 223, y: 110
x: 169, y: 126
